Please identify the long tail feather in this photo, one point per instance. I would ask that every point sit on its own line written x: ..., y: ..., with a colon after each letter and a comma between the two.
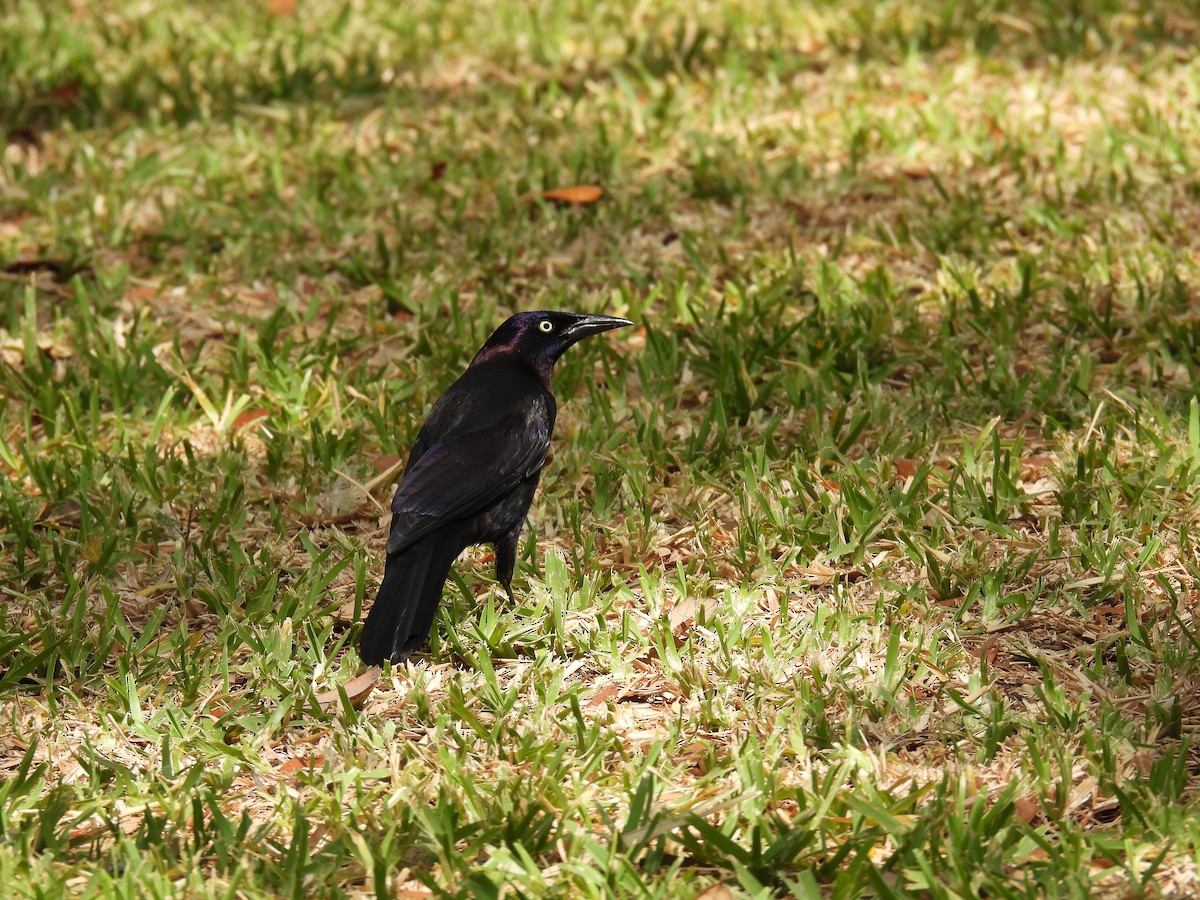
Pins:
x: 404, y: 610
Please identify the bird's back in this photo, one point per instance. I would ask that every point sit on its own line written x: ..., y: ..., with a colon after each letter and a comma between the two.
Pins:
x: 492, y: 396
x: 485, y: 435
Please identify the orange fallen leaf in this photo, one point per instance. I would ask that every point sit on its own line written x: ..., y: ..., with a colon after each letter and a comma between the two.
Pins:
x: 991, y: 649
x: 356, y: 690
x: 1027, y: 808
x: 722, y: 538
x: 1142, y: 762
x: 250, y: 415
x: 281, y: 8
x: 142, y: 292
x: 906, y: 468
x: 65, y: 94
x: 580, y: 194
x: 603, y: 695
x: 716, y: 891
x: 223, y: 705
x: 300, y: 763
x: 383, y: 463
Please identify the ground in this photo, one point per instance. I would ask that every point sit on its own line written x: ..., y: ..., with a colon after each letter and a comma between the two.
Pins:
x: 863, y: 565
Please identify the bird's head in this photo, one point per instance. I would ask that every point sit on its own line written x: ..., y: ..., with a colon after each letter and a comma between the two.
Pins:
x: 543, y: 336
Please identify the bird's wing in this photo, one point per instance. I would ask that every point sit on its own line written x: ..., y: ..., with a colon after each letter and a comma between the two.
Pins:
x: 464, y: 474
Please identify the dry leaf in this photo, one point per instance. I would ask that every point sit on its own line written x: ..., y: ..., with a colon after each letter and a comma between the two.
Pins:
x: 383, y: 463
x: 1027, y: 809
x: 68, y: 514
x: 300, y: 764
x: 223, y: 705
x: 716, y: 891
x: 1142, y: 762
x: 648, y: 694
x: 344, y: 614
x: 65, y: 94
x: 603, y: 695
x: 991, y: 649
x: 250, y: 415
x: 580, y: 194
x: 906, y: 468
x: 816, y: 570
x: 30, y: 266
x: 683, y: 614
x: 823, y: 574
x: 281, y: 8
x: 356, y: 689
x: 140, y: 293
x: 216, y: 712
x: 721, y: 538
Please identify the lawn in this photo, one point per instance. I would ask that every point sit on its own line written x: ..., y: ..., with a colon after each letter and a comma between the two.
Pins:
x: 865, y: 564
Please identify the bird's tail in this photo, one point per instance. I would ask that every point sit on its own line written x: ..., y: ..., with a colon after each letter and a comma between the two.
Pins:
x: 408, y: 598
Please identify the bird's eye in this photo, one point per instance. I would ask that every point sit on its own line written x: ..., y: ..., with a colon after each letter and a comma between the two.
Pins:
x: 546, y: 325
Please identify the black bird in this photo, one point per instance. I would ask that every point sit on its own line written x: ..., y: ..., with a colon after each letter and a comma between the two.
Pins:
x: 471, y: 474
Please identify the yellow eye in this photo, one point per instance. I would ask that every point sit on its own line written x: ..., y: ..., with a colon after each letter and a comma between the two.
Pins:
x: 546, y: 325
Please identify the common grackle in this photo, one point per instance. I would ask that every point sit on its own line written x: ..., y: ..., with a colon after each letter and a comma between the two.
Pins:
x: 471, y: 474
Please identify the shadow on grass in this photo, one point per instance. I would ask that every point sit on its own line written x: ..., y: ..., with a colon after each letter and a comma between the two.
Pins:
x: 188, y: 80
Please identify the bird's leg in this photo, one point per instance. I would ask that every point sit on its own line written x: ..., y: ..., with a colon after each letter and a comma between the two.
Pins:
x: 506, y: 560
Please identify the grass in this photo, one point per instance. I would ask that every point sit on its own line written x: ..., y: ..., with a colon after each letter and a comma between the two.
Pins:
x: 865, y: 566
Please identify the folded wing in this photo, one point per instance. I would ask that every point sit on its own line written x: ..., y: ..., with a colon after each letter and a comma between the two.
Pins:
x: 466, y: 474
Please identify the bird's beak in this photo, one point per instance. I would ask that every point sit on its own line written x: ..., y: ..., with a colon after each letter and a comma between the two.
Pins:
x: 586, y: 326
